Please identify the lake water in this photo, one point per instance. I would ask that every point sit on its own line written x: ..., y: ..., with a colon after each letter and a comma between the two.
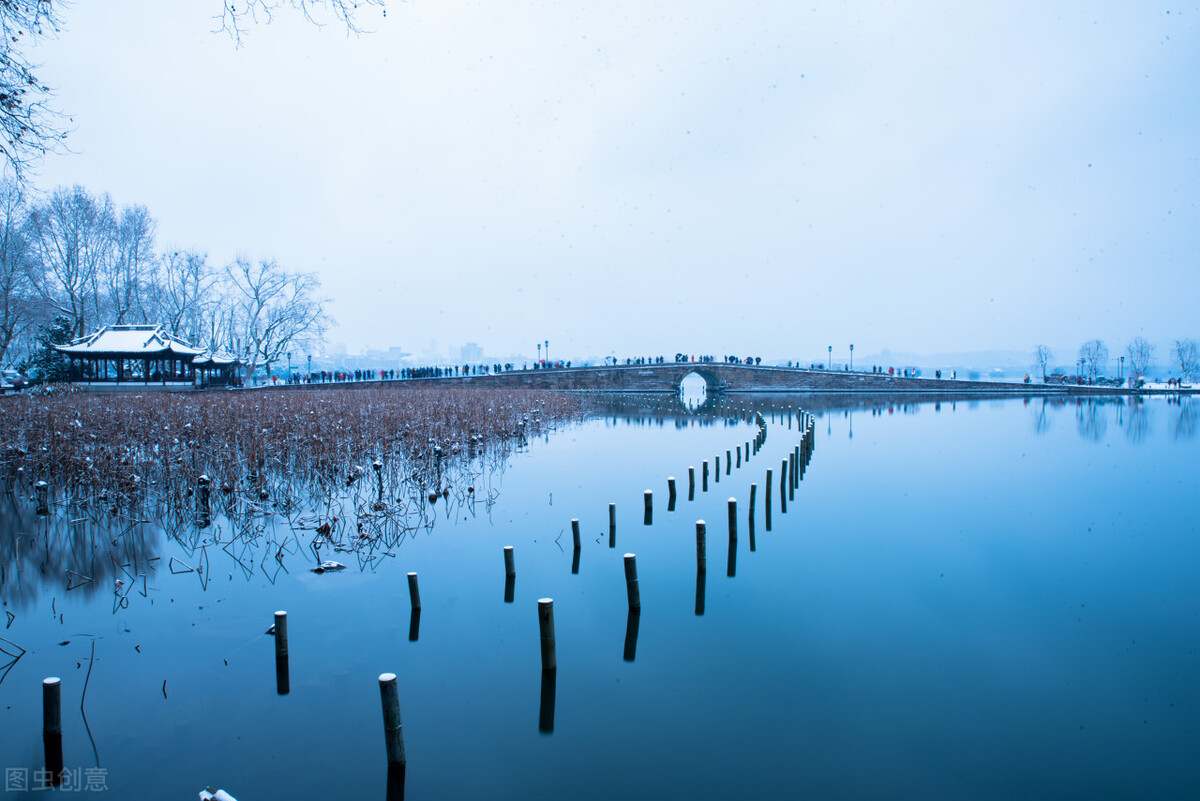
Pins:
x: 964, y: 599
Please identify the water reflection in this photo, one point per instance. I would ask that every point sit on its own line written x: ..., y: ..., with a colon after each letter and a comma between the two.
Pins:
x: 414, y: 624
x: 1135, y: 415
x: 282, y: 675
x: 632, y: 622
x: 546, y: 702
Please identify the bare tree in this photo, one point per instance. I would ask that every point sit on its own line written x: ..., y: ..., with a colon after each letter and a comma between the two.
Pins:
x: 185, y: 289
x: 1187, y: 356
x: 1141, y: 353
x: 238, y: 15
x: 18, y: 312
x: 127, y: 274
x: 28, y: 126
x: 276, y: 311
x: 72, y: 235
x: 1095, y: 355
x: 1042, y: 356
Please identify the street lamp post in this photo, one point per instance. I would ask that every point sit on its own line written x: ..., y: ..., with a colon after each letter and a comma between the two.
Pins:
x: 852, y: 357
x: 1120, y: 368
x: 547, y: 351
x: 539, y: 347
x: 289, y: 367
x: 829, y: 363
x: 309, y: 376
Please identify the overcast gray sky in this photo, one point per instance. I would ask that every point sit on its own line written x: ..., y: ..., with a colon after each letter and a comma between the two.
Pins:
x: 648, y: 177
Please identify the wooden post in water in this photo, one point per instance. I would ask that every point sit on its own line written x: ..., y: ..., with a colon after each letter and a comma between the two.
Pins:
x: 414, y: 592
x: 768, y: 500
x: 575, y: 531
x: 753, y: 493
x: 546, y: 628
x: 670, y: 493
x: 701, y: 558
x: 733, y: 519
x: 52, y: 729
x: 281, y: 633
x: 739, y: 457
x: 704, y: 476
x: 510, y: 567
x: 393, y: 730
x: 783, y: 468
x: 717, y: 469
x: 728, y: 462
x: 612, y: 525
x: 631, y: 582
x: 649, y: 497
x: 691, y: 483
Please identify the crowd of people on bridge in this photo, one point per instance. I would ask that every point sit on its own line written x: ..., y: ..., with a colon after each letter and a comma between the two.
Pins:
x: 460, y: 370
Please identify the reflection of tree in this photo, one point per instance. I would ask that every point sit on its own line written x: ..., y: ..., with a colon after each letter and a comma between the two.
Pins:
x: 1093, y: 421
x: 1137, y: 425
x: 126, y: 550
x: 1041, y: 420
x: 1185, y: 424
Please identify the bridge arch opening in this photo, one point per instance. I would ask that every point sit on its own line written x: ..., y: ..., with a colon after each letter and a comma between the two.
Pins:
x: 693, y: 390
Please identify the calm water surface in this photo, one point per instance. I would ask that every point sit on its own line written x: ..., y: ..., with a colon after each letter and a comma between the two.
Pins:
x: 971, y: 599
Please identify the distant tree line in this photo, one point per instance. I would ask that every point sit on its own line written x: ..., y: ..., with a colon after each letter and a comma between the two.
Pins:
x: 71, y: 262
x: 1138, y: 356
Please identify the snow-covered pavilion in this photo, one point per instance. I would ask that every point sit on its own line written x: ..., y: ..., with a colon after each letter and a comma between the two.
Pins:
x: 216, y: 369
x: 131, y: 354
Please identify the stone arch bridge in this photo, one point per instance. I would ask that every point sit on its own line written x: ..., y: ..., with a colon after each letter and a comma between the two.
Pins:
x: 721, y: 377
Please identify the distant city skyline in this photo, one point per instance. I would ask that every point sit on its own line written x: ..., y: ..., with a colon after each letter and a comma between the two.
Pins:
x: 639, y: 177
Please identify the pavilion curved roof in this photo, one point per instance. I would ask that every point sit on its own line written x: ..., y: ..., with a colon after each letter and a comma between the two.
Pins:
x: 130, y: 341
x: 215, y: 359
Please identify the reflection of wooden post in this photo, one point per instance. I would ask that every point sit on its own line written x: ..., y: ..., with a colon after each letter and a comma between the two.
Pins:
x: 701, y: 559
x: 546, y: 628
x: 283, y: 683
x: 631, y: 633
x: 414, y: 592
x: 52, y: 729
x: 612, y: 525
x: 701, y: 576
x: 414, y: 624
x: 631, y: 582
x: 393, y: 731
x: 546, y: 702
x: 510, y: 567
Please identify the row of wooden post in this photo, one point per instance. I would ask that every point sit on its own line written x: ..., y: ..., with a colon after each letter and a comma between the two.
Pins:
x: 388, y: 690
